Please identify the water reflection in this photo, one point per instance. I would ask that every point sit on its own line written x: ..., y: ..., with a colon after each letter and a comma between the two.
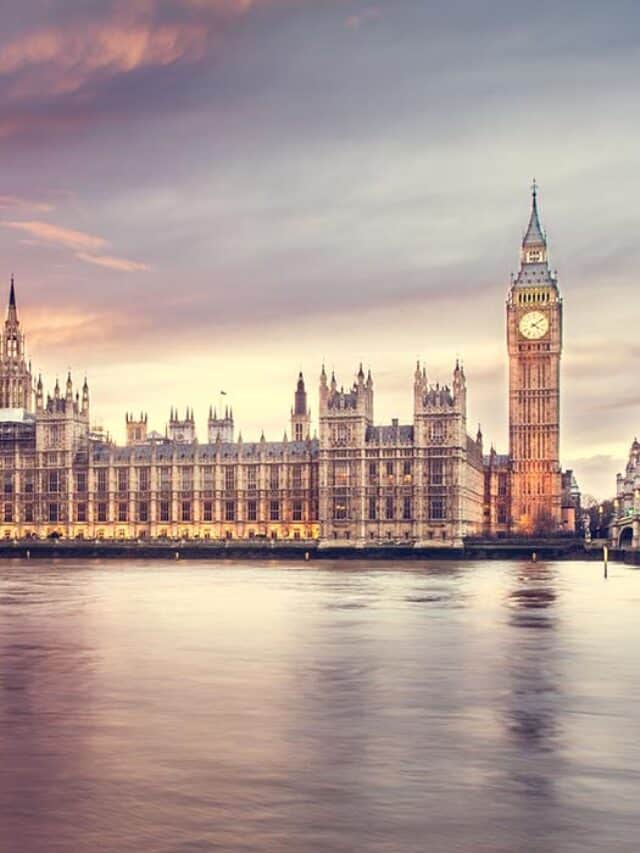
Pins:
x: 334, y: 708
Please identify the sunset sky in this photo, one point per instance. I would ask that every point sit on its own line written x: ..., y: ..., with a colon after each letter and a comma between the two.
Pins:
x: 214, y: 194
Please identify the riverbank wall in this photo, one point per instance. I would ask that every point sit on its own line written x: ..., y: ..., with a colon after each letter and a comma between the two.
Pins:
x: 549, y: 549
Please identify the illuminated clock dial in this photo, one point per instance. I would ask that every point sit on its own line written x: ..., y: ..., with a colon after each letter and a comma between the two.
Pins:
x: 534, y: 325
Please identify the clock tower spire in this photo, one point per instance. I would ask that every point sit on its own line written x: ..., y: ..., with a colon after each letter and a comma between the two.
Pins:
x: 534, y: 340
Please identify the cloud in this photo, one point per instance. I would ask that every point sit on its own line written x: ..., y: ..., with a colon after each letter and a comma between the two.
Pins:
x: 8, y: 202
x: 56, y: 62
x: 87, y: 247
x: 60, y: 62
x: 45, y: 232
x: 112, y: 263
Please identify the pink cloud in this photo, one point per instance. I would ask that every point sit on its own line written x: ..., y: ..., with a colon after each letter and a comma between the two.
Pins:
x: 120, y: 264
x: 59, y: 62
x: 7, y: 202
x: 86, y: 247
x: 45, y: 232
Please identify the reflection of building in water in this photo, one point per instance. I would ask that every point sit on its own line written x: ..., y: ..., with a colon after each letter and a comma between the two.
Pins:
x: 531, y: 715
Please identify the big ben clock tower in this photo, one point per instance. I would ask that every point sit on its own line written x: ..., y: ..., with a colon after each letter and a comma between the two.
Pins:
x: 534, y: 338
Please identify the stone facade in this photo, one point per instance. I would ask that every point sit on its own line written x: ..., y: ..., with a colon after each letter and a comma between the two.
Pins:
x: 624, y: 531
x: 420, y: 483
x: 424, y: 483
x: 534, y: 339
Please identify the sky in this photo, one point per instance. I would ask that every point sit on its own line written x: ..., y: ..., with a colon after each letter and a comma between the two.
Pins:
x: 206, y: 195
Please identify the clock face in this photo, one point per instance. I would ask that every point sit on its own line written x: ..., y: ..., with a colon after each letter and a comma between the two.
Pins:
x: 534, y: 325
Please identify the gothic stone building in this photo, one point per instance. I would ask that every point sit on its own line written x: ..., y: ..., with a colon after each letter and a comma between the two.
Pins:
x: 426, y: 483
x: 624, y: 530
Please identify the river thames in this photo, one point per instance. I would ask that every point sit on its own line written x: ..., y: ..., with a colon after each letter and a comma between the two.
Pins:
x: 151, y: 706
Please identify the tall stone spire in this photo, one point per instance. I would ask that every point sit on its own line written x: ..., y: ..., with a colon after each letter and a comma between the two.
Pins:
x: 534, y: 260
x: 300, y: 414
x: 12, y: 295
x: 534, y: 235
x: 16, y: 384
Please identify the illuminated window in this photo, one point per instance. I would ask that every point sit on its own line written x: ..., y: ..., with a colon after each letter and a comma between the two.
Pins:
x: 340, y: 508
x: 341, y: 474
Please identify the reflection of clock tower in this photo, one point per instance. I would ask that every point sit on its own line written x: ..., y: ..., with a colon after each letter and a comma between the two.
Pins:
x: 534, y: 337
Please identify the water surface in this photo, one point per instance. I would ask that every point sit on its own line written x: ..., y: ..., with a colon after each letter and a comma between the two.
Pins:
x: 149, y: 706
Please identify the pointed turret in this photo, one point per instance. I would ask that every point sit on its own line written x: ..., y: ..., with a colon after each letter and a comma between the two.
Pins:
x: 534, y: 261
x: 534, y: 235
x: 85, y: 397
x: 300, y: 414
x: 69, y: 388
x: 13, y: 310
x: 39, y: 395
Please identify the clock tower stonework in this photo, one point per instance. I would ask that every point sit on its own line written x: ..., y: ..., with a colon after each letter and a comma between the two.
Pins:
x: 534, y: 339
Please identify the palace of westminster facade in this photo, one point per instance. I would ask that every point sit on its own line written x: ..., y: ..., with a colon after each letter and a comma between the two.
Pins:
x: 427, y: 483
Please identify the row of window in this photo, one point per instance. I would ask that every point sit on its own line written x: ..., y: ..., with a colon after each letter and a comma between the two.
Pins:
x: 54, y: 481
x: 435, y: 472
x: 390, y: 509
x: 54, y: 511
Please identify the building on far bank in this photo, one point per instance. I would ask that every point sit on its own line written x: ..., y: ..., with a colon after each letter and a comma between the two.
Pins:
x: 424, y: 483
x: 624, y: 529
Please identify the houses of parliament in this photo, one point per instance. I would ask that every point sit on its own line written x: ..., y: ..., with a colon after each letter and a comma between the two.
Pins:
x: 355, y: 483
